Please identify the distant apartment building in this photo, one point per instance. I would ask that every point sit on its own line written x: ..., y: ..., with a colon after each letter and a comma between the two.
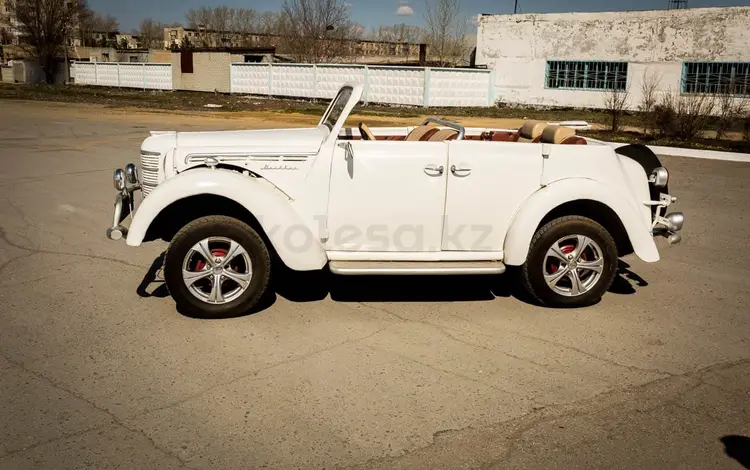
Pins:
x: 8, y: 25
x: 127, y: 41
x: 180, y: 37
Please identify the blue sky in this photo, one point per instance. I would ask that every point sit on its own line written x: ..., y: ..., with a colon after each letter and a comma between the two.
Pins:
x: 375, y: 12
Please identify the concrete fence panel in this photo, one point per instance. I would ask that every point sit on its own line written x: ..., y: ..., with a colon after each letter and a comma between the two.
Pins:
x: 331, y: 77
x: 417, y: 86
x: 108, y: 74
x: 84, y: 73
x: 396, y: 85
x: 253, y: 79
x: 452, y: 87
x: 293, y: 80
x: 146, y: 76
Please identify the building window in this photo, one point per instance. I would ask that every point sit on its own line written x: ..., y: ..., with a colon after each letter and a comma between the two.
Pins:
x: 587, y: 75
x: 723, y: 77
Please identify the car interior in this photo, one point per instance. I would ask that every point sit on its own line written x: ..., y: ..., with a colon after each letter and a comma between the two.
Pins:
x: 531, y: 131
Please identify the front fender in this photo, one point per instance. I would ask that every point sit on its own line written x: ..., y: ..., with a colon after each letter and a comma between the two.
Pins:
x: 542, y: 202
x: 292, y: 239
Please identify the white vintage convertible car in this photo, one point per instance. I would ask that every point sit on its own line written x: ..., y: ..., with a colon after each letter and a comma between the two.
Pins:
x: 436, y: 198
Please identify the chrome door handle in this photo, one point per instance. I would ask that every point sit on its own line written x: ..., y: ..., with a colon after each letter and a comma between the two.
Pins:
x: 434, y: 170
x: 460, y: 171
x: 347, y: 146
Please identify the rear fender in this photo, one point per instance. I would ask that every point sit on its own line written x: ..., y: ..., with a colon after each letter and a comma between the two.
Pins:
x: 537, y: 206
x: 296, y: 244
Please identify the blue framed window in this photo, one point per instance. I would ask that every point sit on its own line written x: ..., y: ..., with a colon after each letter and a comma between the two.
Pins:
x: 716, y: 77
x: 586, y: 75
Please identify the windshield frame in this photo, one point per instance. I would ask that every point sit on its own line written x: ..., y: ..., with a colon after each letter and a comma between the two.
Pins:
x: 342, y: 98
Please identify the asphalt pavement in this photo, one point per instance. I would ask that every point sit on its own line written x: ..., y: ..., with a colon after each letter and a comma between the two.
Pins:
x: 98, y: 369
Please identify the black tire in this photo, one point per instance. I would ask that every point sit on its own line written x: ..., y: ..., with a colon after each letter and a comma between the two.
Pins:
x: 216, y: 226
x: 532, y: 271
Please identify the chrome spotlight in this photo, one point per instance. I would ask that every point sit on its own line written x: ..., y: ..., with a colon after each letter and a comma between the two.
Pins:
x: 131, y: 173
x: 119, y: 179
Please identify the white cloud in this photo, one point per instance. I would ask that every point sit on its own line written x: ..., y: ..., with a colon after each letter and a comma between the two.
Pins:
x: 405, y: 10
x: 347, y: 5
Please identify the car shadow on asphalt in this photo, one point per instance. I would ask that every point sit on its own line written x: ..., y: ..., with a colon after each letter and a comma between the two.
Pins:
x: 737, y: 448
x: 314, y: 286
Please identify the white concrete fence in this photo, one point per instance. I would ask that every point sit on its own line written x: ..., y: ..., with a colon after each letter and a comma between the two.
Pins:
x: 147, y: 76
x: 416, y: 86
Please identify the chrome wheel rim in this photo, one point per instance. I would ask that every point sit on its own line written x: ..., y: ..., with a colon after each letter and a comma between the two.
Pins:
x: 217, y: 270
x: 573, y: 265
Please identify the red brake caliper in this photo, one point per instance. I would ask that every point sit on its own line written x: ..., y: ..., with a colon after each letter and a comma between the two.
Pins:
x: 216, y: 252
x: 565, y: 249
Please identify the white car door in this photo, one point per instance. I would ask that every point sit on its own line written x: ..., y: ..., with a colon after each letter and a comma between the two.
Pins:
x: 387, y: 196
x: 487, y: 183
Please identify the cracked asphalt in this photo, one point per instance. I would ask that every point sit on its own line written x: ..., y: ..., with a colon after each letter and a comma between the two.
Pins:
x: 98, y: 370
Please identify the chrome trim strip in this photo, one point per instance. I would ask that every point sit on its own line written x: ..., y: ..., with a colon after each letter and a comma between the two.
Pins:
x: 149, y: 153
x: 409, y: 269
x: 262, y: 156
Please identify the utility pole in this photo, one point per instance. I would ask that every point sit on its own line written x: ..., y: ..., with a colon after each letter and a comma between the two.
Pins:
x: 515, y: 8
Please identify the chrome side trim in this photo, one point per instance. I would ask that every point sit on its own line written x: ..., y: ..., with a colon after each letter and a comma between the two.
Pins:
x: 255, y: 157
x: 434, y: 268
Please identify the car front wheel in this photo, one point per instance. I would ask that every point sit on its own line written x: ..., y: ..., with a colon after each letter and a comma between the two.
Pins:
x: 216, y: 267
x: 572, y: 262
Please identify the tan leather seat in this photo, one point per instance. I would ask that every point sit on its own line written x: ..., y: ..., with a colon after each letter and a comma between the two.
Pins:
x: 554, y: 134
x: 531, y: 130
x: 443, y: 134
x: 421, y: 133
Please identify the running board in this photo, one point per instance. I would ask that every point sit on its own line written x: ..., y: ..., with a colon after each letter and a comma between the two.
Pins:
x: 391, y: 268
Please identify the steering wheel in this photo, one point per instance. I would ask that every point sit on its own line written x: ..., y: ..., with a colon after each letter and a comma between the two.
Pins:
x: 365, y: 132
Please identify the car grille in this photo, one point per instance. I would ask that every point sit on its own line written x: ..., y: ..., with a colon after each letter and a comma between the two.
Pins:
x: 149, y: 173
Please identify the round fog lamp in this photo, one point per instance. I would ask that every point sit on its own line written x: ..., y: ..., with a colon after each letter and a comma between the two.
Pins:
x: 131, y: 173
x: 119, y: 179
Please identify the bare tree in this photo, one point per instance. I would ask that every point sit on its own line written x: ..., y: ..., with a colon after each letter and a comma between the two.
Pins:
x: 615, y: 102
x: 402, y: 33
x: 731, y: 105
x: 446, y: 30
x: 45, y: 27
x: 151, y: 34
x: 318, y: 30
x: 683, y: 116
x: 649, y: 97
x: 223, y: 26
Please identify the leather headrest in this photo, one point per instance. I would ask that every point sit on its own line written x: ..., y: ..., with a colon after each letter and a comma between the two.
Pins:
x: 556, y: 134
x: 531, y: 129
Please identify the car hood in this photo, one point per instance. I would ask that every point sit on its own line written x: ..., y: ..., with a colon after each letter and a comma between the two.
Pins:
x: 305, y: 140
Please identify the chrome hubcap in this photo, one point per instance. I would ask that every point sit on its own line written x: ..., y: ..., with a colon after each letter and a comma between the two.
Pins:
x: 573, y: 265
x: 217, y: 270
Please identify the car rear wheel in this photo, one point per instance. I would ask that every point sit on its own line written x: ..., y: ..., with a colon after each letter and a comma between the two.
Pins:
x: 572, y: 262
x: 216, y: 267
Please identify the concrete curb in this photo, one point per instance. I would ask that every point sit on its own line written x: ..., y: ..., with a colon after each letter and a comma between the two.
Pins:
x: 690, y: 153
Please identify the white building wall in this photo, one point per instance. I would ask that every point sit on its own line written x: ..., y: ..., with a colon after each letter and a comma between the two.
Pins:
x: 517, y: 48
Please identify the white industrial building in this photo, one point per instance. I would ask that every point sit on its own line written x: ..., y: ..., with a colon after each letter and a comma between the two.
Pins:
x: 572, y: 59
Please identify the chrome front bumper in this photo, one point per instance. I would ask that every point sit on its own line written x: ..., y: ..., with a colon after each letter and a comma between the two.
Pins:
x: 124, y: 208
x: 668, y: 225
